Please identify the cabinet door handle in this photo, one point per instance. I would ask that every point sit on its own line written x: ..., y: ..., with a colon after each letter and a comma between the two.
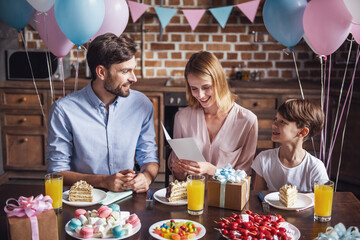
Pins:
x: 255, y: 104
x: 23, y: 120
x: 24, y: 140
x: 23, y: 99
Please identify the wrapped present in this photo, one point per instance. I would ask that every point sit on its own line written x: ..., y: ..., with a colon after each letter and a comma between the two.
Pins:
x: 229, y: 188
x: 31, y: 218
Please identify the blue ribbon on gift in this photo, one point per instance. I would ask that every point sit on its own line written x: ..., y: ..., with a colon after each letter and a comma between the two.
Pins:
x: 339, y: 232
x: 228, y: 174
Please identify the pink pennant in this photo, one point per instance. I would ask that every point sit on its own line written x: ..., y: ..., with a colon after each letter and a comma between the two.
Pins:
x: 249, y: 9
x: 193, y: 16
x: 137, y: 9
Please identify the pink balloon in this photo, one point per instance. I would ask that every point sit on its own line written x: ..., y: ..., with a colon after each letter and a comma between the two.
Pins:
x: 355, y: 31
x: 326, y: 25
x: 51, y: 33
x: 116, y: 17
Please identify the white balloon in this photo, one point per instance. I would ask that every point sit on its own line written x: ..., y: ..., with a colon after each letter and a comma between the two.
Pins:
x: 354, y: 8
x: 41, y: 5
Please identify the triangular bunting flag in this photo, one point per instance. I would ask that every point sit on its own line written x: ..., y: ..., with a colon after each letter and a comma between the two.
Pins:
x: 137, y: 9
x: 221, y: 14
x: 165, y: 15
x: 193, y: 16
x: 249, y: 9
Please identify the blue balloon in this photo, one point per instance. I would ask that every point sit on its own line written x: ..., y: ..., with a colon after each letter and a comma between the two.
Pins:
x: 16, y: 13
x: 284, y: 20
x: 79, y: 20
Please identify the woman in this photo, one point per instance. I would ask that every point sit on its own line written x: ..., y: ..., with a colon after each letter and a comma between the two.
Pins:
x: 224, y: 131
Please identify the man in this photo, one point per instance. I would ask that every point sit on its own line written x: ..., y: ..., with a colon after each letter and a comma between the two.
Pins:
x: 95, y: 133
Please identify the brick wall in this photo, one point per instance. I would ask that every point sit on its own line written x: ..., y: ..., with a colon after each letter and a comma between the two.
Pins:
x: 240, y: 42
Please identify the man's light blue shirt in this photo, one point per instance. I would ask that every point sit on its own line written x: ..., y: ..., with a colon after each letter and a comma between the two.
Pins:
x: 83, y: 137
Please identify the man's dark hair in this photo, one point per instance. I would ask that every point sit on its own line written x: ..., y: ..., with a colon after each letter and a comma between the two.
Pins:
x: 108, y: 49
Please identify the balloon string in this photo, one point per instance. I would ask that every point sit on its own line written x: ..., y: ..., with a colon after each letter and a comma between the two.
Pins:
x: 297, y: 74
x: 327, y: 103
x: 301, y: 91
x: 48, y: 62
x: 343, y: 135
x: 322, y: 105
x: 62, y: 75
x: 340, y: 94
x: 77, y: 68
x: 342, y: 111
x: 33, y: 78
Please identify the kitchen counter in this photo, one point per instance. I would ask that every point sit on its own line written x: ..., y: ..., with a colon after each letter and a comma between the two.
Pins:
x: 166, y: 85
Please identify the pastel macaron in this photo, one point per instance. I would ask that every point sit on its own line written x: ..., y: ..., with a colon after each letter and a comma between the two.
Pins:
x: 133, y: 220
x: 74, y: 223
x: 86, y: 232
x: 118, y: 231
x: 104, y: 211
x: 79, y: 212
x: 115, y: 207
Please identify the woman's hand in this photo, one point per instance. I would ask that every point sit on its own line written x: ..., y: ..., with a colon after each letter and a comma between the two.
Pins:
x: 195, y: 168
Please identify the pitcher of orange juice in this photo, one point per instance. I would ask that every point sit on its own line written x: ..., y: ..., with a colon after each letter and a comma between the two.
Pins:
x: 195, y: 194
x: 54, y: 189
x: 323, y: 194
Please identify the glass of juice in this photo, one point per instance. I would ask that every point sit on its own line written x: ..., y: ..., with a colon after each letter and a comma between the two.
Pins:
x: 323, y: 194
x: 54, y: 189
x: 195, y: 194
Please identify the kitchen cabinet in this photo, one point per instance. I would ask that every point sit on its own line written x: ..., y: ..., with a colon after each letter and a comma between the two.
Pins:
x: 23, y: 128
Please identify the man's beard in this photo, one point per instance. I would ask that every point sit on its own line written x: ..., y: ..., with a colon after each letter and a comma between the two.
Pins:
x: 116, y: 91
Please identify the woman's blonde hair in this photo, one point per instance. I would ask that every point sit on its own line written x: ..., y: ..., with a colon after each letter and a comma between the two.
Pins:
x: 205, y: 65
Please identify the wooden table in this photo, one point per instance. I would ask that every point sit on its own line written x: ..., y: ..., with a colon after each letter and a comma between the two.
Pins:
x: 346, y: 209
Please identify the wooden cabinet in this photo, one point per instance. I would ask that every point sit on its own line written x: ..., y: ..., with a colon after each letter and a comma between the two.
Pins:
x: 157, y: 100
x: 23, y: 129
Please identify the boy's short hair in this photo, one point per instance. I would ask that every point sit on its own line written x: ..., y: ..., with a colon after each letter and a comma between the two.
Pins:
x: 304, y: 113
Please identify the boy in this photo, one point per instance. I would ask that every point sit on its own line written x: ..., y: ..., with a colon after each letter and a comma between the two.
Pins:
x: 295, y: 122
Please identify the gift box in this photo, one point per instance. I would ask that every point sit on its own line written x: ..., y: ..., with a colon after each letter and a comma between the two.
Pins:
x: 229, y: 188
x: 236, y: 194
x: 32, y: 219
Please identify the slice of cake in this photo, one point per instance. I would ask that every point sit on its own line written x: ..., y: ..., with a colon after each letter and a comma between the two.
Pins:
x: 81, y: 191
x: 176, y: 191
x: 288, y: 195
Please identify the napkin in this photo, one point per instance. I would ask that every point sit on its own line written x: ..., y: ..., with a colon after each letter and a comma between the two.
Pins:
x: 115, y: 196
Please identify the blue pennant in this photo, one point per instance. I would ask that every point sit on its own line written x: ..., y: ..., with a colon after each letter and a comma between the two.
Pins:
x: 165, y: 15
x: 221, y: 14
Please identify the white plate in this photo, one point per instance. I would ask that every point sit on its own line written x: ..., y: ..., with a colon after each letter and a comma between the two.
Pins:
x: 98, y: 196
x: 160, y: 196
x: 302, y: 201
x: 158, y: 224
x: 77, y: 236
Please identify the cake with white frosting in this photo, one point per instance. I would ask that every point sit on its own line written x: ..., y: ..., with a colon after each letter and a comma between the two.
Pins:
x: 81, y: 191
x: 288, y: 195
x: 176, y: 191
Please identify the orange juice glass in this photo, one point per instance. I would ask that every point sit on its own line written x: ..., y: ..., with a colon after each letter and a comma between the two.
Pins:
x: 195, y: 194
x: 54, y: 189
x: 323, y: 194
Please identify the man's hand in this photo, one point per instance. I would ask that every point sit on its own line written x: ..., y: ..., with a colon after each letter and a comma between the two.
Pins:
x: 138, y: 184
x: 119, y: 181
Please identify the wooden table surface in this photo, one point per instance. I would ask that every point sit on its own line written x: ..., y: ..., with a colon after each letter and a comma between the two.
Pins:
x: 346, y: 209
